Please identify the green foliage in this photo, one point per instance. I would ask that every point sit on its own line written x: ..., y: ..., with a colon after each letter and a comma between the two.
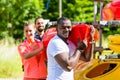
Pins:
x: 76, y: 10
x: 51, y: 12
x: 110, y: 30
x: 14, y: 13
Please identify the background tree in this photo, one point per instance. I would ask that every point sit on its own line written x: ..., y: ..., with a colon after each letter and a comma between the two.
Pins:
x: 14, y: 13
x: 76, y: 10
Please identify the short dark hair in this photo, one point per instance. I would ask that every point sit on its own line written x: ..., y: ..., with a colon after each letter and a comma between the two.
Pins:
x: 62, y: 19
x: 37, y: 19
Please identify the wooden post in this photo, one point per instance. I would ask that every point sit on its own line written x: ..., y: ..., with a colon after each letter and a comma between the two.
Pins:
x: 60, y: 8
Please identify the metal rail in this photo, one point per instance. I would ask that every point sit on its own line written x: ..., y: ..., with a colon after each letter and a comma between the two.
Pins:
x: 111, y: 23
x: 112, y: 56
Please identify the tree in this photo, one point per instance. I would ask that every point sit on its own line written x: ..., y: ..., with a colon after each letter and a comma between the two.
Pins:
x: 76, y: 10
x: 14, y: 13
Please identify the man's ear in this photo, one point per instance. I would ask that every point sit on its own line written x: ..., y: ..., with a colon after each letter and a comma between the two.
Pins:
x: 57, y: 27
x: 70, y: 31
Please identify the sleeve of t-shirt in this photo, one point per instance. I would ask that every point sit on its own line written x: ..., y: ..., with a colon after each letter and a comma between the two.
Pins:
x: 58, y: 47
x: 22, y: 49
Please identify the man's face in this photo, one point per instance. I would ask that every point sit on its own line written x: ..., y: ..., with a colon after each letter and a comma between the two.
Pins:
x: 64, y: 28
x: 40, y: 24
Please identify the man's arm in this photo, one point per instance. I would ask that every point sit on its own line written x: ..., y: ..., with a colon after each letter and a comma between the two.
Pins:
x: 34, y: 52
x: 86, y: 56
x: 69, y: 62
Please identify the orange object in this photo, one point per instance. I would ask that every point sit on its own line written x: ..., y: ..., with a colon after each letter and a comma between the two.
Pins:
x: 50, y: 33
x: 112, y: 11
x: 107, y: 14
x: 82, y: 31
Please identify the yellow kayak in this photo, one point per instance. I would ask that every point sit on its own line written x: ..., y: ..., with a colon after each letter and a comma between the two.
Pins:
x: 114, y: 42
x: 98, y: 70
x: 114, y: 39
x: 114, y: 47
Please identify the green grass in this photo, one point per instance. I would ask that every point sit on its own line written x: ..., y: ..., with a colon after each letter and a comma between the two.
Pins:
x: 10, y: 62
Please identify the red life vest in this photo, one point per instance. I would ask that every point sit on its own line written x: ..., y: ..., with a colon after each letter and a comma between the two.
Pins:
x: 50, y: 33
x: 81, y: 31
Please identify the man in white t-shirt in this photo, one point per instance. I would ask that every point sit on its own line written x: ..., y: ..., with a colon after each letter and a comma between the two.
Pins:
x: 62, y: 54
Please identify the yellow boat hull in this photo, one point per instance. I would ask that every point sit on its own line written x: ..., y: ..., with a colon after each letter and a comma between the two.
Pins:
x: 114, y: 42
x: 98, y: 70
x: 114, y: 39
x: 114, y: 47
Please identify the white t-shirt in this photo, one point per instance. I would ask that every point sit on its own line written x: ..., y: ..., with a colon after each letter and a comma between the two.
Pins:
x: 55, y: 71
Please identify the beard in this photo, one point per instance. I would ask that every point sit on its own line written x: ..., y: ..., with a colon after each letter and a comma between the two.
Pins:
x: 40, y: 28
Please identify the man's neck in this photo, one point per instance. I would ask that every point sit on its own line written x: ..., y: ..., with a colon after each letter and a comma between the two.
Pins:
x: 40, y: 33
x: 64, y: 39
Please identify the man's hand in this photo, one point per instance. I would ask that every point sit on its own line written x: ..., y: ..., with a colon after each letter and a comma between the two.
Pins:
x: 82, y: 44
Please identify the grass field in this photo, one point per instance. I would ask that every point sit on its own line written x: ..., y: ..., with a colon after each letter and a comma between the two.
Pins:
x: 10, y: 62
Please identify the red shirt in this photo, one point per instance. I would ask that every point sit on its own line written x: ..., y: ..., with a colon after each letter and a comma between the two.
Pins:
x: 34, y: 67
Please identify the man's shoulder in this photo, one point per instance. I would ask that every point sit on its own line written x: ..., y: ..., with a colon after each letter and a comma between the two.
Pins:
x: 55, y: 39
